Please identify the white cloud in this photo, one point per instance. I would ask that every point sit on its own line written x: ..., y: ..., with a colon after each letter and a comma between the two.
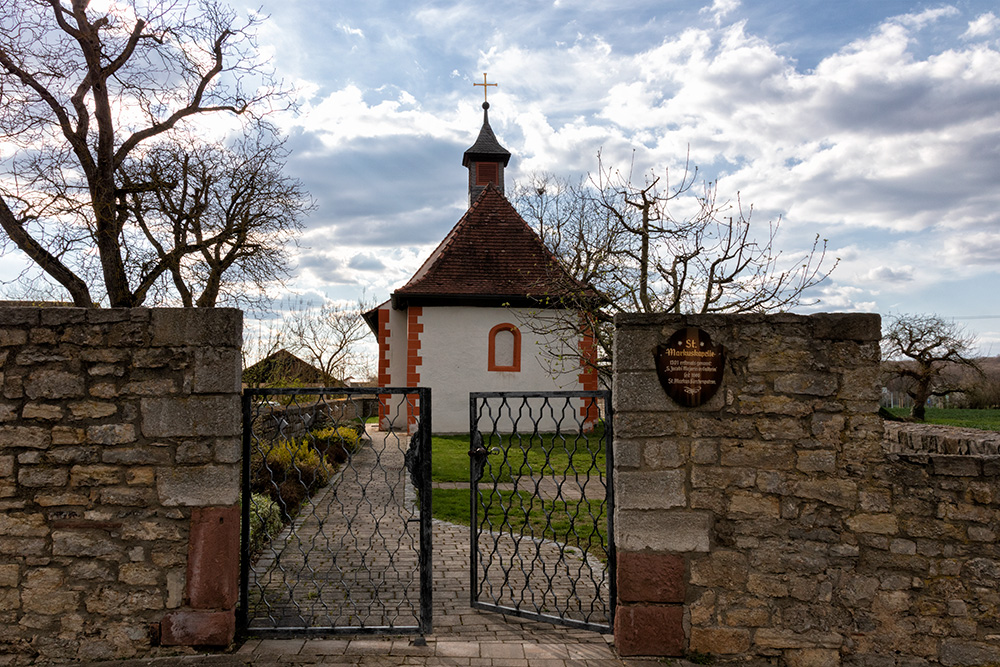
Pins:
x: 983, y: 26
x: 720, y: 9
x: 345, y: 115
x: 926, y: 17
x: 353, y: 32
x: 884, y: 274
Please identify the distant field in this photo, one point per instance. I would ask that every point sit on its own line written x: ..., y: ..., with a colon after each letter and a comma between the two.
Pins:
x: 987, y: 420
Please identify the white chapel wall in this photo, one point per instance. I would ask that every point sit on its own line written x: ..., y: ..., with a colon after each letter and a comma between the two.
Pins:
x: 455, y: 357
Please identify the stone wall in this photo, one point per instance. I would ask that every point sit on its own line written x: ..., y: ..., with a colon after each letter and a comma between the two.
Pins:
x: 771, y: 524
x: 119, y: 480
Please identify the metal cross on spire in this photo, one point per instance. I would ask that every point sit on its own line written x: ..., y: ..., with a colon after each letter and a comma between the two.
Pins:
x: 485, y: 87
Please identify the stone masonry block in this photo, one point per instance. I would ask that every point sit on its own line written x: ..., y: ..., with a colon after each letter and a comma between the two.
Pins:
x: 34, y: 437
x: 958, y: 466
x: 651, y: 577
x: 198, y: 628
x: 12, y: 337
x: 17, y: 316
x: 660, y: 489
x: 214, y: 558
x: 837, y: 492
x: 641, y: 392
x: 847, y: 326
x: 813, y: 657
x: 53, y: 384
x: 720, y: 641
x: 880, y: 524
x: 634, y: 348
x: 676, y: 531
x: 197, y: 326
x: 810, y: 384
x: 217, y: 370
x: 196, y: 486
x: 191, y: 416
x: 111, y: 434
x: 649, y: 630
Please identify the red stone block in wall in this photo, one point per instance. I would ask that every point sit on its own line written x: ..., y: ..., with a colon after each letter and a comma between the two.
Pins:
x: 649, y: 630
x: 214, y: 558
x: 651, y: 577
x: 198, y: 628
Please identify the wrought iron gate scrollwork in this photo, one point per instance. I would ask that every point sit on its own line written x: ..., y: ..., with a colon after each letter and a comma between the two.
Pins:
x: 336, y: 512
x: 542, y: 506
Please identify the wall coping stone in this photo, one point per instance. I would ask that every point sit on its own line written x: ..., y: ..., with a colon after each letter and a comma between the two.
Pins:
x: 913, y: 438
x: 826, y: 326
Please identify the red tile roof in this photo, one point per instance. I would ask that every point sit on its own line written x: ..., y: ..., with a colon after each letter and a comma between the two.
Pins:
x: 491, y: 257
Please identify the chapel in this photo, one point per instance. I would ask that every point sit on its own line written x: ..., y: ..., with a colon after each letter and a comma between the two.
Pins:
x: 478, y: 314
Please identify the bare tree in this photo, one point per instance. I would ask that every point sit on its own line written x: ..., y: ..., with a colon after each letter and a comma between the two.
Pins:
x: 919, y: 349
x: 216, y: 219
x: 328, y: 337
x: 661, y: 246
x: 83, y: 90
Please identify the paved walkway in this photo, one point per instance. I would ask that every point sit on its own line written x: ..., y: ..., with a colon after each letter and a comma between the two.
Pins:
x: 461, y: 636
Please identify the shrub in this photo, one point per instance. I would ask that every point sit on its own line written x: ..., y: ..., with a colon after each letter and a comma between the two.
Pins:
x: 337, y: 443
x: 288, y: 473
x: 265, y: 521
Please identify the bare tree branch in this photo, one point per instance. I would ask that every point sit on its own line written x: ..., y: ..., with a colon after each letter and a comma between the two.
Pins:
x: 83, y: 90
x: 621, y: 234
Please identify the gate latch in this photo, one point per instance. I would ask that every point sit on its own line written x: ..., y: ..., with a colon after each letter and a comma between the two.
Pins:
x: 477, y: 455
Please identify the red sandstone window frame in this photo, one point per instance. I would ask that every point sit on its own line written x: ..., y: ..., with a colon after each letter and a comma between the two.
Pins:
x: 515, y: 367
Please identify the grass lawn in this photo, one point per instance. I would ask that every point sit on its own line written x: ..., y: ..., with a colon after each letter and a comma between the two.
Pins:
x: 579, y: 524
x: 543, y: 455
x: 987, y: 420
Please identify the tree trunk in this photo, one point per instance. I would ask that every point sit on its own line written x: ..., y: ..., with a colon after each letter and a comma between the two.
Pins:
x: 920, y: 394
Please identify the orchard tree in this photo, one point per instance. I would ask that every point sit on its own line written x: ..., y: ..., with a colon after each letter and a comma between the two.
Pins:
x: 919, y: 349
x: 215, y: 220
x: 329, y: 337
x: 650, y: 243
x: 84, y: 91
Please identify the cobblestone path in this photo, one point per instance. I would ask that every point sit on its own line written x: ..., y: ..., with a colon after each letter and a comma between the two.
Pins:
x: 350, y: 559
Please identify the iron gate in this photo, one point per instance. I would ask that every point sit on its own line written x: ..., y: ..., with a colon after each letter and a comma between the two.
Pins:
x: 542, y: 507
x: 336, y: 511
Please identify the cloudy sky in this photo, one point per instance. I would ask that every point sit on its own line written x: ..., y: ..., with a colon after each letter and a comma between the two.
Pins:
x: 873, y: 124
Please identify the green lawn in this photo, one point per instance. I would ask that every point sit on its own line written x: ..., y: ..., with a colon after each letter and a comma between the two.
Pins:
x: 987, y: 420
x: 579, y: 524
x: 545, y: 454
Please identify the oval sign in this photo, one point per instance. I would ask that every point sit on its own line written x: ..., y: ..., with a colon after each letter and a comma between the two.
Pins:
x: 690, y: 367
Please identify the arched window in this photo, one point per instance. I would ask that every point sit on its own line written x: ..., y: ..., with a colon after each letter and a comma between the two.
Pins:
x: 505, y: 348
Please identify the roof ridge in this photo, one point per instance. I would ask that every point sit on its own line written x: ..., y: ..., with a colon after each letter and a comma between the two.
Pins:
x: 445, y: 243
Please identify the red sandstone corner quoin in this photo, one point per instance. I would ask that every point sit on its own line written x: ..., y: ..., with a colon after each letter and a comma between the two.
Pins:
x: 212, y: 590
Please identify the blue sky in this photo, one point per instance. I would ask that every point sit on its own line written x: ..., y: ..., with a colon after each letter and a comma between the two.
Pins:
x: 875, y: 124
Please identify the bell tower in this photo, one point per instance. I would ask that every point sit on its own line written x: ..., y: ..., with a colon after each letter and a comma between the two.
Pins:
x: 486, y: 158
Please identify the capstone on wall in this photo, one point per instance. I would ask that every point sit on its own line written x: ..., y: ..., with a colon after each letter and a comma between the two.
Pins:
x: 119, y: 480
x: 772, y: 523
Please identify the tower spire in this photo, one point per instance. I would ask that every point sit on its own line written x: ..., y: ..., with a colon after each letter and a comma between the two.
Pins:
x: 486, y: 158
